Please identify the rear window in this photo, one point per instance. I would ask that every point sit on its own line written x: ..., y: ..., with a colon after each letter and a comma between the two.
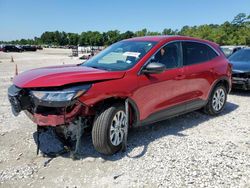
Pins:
x: 194, y: 52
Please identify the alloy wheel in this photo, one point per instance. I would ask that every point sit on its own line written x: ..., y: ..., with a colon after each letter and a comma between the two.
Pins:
x: 218, y: 99
x: 117, y: 128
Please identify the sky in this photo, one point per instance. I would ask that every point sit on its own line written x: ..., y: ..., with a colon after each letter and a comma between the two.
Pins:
x: 30, y: 18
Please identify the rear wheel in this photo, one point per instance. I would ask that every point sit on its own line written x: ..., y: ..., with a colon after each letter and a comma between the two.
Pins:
x: 216, y: 101
x: 108, y: 129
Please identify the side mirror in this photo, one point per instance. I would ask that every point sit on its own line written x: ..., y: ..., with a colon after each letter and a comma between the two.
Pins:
x: 154, y: 68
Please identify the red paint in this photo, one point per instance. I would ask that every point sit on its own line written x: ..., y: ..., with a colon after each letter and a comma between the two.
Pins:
x: 151, y: 93
x: 62, y: 75
x: 54, y: 120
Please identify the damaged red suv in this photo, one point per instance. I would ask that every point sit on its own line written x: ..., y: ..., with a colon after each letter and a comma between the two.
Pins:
x: 133, y: 82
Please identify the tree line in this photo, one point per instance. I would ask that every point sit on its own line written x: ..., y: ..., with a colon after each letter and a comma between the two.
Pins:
x: 236, y: 32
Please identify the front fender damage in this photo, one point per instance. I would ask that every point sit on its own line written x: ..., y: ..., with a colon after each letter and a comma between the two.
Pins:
x: 67, y: 120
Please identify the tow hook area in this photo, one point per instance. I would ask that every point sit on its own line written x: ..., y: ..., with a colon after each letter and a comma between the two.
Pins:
x: 55, y: 141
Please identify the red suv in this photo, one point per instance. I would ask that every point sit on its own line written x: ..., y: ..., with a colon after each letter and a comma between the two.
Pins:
x: 131, y: 83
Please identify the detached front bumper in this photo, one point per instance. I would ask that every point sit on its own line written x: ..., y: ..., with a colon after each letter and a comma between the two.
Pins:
x: 241, y: 83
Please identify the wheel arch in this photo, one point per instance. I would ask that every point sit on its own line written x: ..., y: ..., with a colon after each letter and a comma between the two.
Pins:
x: 114, y: 100
x: 224, y: 81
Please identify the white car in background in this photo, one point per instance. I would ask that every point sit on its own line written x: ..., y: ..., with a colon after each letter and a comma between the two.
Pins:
x: 229, y: 50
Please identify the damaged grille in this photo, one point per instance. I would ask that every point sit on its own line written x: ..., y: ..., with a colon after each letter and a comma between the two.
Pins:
x: 44, y: 110
x: 241, y: 75
x: 49, y: 110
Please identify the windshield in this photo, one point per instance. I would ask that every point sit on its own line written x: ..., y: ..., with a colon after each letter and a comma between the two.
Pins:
x: 120, y: 56
x: 241, y: 55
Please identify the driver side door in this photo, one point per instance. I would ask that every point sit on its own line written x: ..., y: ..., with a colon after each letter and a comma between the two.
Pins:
x: 159, y: 92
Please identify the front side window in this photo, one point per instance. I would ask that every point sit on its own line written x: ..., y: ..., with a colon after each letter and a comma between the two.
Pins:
x: 169, y: 55
x: 194, y: 52
x: 120, y: 56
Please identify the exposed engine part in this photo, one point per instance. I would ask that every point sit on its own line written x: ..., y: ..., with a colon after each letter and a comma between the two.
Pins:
x: 72, y: 133
x: 68, y: 132
x: 81, y: 125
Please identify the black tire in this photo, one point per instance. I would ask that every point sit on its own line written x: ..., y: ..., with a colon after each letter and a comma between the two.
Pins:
x: 209, y: 109
x: 101, y: 130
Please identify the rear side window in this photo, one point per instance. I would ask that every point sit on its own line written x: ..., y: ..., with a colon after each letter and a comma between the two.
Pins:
x: 194, y: 52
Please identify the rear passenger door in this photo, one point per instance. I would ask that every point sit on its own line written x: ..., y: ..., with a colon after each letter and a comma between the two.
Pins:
x: 198, y: 63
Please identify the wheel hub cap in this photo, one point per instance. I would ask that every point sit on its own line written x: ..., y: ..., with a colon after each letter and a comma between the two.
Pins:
x: 117, y: 128
x: 218, y: 99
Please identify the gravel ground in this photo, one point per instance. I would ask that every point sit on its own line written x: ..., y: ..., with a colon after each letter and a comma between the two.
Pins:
x: 192, y: 150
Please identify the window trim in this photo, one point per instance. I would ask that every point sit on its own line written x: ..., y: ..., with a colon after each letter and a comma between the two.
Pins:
x: 181, y: 51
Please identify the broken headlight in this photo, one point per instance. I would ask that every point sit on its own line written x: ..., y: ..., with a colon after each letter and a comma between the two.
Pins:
x: 60, y: 95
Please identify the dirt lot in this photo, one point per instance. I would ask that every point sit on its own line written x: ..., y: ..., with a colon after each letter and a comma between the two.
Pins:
x: 192, y: 150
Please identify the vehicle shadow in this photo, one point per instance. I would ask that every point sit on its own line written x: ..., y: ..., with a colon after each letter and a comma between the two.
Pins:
x: 141, y: 137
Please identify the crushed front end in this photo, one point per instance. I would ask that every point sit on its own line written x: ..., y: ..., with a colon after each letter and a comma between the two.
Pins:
x: 241, y: 80
x: 48, y: 106
x: 57, y: 108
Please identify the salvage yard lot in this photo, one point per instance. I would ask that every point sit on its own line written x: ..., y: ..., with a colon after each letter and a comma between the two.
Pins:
x: 190, y: 150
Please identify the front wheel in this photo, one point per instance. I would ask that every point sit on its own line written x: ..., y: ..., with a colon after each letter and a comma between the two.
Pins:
x: 216, y: 101
x: 109, y: 129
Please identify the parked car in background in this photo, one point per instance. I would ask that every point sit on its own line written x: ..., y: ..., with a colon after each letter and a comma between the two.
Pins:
x: 132, y: 83
x: 29, y: 48
x: 85, y: 56
x: 241, y: 69
x: 1, y: 47
x: 38, y: 47
x: 229, y: 50
x: 12, y: 48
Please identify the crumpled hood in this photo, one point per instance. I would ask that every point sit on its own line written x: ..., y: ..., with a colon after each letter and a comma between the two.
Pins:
x: 240, y: 67
x: 62, y: 75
